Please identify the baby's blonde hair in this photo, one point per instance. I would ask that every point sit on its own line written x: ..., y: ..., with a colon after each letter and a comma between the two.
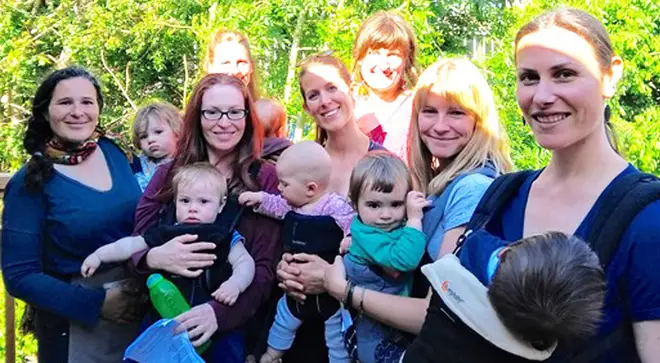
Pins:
x: 200, y: 172
x: 159, y: 110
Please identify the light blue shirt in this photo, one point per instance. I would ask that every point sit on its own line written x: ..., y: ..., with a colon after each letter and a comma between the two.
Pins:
x: 452, y: 208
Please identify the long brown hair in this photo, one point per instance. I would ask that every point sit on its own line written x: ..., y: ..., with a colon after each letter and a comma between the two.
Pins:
x: 460, y: 81
x: 192, y: 147
x: 225, y: 36
x: 326, y: 60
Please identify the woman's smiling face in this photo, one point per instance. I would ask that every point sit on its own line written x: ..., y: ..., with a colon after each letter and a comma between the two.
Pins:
x: 561, y: 88
x: 222, y: 135
x: 444, y: 126
x: 327, y: 97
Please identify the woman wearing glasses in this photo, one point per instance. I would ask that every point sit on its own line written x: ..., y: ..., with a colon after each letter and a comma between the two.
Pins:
x: 219, y: 127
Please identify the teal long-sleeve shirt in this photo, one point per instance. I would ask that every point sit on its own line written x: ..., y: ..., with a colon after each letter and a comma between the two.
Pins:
x: 400, y: 249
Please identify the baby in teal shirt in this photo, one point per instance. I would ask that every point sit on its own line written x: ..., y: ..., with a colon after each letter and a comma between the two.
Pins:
x: 386, y: 236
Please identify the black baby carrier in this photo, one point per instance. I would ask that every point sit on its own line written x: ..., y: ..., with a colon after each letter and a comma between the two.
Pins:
x: 318, y: 235
x: 446, y: 338
x: 198, y: 290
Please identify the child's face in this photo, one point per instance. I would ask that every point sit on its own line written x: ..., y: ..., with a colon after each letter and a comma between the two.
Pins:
x: 293, y: 189
x: 198, y: 202
x: 384, y: 211
x: 158, y: 140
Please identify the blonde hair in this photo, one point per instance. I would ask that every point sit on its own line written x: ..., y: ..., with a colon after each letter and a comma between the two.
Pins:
x: 201, y: 172
x: 459, y: 81
x: 385, y: 29
x: 159, y: 110
x: 381, y: 171
x: 272, y: 116
x: 324, y: 60
x: 226, y: 36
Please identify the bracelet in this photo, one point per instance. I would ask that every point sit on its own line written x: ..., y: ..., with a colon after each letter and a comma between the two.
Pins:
x: 348, y: 294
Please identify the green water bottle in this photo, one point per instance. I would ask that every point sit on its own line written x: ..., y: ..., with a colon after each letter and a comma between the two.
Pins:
x: 168, y: 301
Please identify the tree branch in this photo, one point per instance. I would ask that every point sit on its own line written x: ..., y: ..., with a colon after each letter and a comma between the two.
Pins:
x: 185, y: 81
x: 117, y: 82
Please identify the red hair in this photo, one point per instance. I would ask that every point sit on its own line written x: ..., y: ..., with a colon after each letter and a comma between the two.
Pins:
x: 192, y: 147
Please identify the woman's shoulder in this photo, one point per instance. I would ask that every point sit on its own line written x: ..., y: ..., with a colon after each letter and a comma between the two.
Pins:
x: 645, y: 225
x: 16, y: 183
x: 469, y: 184
x: 267, y: 178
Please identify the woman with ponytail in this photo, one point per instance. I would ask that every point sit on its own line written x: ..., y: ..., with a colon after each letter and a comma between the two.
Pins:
x: 75, y: 194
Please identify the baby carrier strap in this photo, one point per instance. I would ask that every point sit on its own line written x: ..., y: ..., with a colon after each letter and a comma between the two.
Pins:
x: 624, y: 201
x: 319, y: 235
x: 220, y: 232
x: 497, y: 195
x: 626, y: 198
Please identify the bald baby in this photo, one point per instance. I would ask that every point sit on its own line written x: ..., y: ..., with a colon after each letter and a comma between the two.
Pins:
x: 306, y: 162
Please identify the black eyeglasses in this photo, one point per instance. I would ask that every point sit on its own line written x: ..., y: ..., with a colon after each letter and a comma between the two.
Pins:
x: 235, y: 114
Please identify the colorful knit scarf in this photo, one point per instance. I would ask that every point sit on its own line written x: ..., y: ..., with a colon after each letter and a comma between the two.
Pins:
x: 74, y: 154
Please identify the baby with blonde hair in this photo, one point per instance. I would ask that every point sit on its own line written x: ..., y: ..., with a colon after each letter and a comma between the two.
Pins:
x: 200, y: 196
x: 156, y: 129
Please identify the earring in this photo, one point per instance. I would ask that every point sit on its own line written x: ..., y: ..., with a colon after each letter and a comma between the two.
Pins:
x: 608, y: 114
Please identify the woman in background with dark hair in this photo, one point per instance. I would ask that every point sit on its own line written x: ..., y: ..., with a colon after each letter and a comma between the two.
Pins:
x: 75, y: 194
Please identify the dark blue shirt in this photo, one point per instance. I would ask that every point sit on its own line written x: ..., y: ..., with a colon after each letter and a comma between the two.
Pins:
x: 635, y: 263
x: 47, y: 235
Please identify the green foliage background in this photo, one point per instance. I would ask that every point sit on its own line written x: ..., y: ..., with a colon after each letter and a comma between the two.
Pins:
x: 145, y: 49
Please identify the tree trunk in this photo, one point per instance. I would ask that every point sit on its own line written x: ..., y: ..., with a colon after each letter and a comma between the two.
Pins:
x: 293, y: 55
x: 291, y: 72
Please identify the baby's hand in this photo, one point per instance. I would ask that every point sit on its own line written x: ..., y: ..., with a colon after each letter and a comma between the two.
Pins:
x: 345, y: 244
x: 414, y: 205
x: 391, y: 273
x: 227, y: 293
x: 250, y: 198
x: 89, y: 266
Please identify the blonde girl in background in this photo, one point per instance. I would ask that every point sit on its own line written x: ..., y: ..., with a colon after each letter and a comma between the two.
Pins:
x: 156, y: 129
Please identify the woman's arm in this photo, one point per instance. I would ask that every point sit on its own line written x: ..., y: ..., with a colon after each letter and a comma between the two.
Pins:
x: 647, y: 339
x: 449, y: 240
x: 22, y: 228
x: 410, y: 312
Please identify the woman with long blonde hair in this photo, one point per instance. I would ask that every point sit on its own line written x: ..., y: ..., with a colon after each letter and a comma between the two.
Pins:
x: 456, y: 147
